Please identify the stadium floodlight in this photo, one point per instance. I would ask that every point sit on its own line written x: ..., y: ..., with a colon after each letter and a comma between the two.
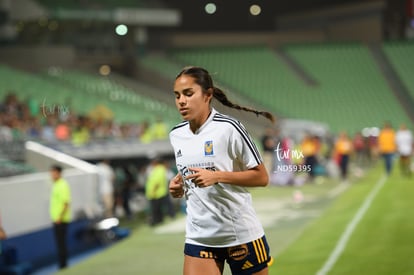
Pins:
x: 121, y: 29
x: 210, y: 8
x: 255, y: 10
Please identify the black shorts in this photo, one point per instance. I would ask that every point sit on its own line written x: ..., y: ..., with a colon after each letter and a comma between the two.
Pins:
x: 243, y: 259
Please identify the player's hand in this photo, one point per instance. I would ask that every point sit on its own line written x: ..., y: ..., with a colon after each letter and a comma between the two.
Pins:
x: 176, y: 186
x: 202, y: 177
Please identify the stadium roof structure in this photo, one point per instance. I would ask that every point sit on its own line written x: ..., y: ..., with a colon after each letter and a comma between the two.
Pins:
x: 236, y: 15
x: 142, y: 12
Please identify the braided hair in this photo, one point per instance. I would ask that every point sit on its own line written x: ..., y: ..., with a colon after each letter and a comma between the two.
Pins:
x: 202, y: 77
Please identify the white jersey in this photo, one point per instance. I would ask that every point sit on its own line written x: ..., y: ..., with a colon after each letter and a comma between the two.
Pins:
x: 106, y: 176
x: 404, y: 140
x: 220, y: 215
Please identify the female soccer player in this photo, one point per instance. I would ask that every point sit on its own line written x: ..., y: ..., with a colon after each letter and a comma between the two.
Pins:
x: 216, y: 160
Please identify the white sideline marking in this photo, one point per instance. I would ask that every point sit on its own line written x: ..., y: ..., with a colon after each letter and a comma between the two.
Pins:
x: 350, y: 228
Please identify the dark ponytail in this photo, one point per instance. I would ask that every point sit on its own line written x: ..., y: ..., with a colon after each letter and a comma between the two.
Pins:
x: 222, y: 98
x: 203, y: 78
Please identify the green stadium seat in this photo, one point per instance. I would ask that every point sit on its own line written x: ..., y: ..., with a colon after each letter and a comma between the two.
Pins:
x: 351, y: 93
x: 401, y: 56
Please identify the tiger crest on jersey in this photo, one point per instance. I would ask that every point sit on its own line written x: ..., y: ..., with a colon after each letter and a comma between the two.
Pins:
x: 208, y: 148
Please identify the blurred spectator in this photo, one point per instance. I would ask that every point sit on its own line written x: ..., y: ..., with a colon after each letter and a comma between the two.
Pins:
x: 134, y: 131
x: 106, y: 186
x: 54, y: 123
x: 309, y: 148
x: 99, y: 130
x: 3, y: 235
x: 124, y: 182
x: 33, y: 106
x: 145, y: 132
x: 282, y: 173
x: 60, y: 212
x: 11, y: 105
x: 159, y: 130
x: 404, y: 140
x: 269, y: 143
x: 62, y: 131
x: 118, y: 185
x: 114, y: 130
x: 373, y: 150
x: 156, y: 190
x: 141, y: 177
x: 343, y: 150
x: 171, y: 172
x: 48, y: 130
x: 327, y: 145
x: 80, y: 134
x: 17, y: 128
x: 124, y: 128
x: 6, y: 134
x: 387, y: 146
x: 360, y: 149
x: 102, y: 130
x: 34, y: 129
x: 127, y: 189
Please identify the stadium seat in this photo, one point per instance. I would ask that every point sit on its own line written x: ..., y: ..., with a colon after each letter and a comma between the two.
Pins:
x: 351, y: 93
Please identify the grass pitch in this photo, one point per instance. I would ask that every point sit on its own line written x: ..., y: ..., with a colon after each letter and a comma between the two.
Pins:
x: 382, y: 242
x: 302, y: 233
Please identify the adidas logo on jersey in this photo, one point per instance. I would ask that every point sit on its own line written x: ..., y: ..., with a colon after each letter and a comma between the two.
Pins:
x: 247, y: 265
x: 178, y: 154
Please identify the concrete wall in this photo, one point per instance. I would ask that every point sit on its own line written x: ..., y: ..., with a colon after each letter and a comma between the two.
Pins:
x: 24, y: 200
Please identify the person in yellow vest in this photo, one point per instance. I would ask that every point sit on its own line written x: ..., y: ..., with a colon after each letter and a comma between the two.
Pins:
x: 156, y: 190
x: 60, y: 212
x: 387, y: 146
x: 146, y: 134
x: 80, y: 133
x: 343, y: 151
x: 159, y: 130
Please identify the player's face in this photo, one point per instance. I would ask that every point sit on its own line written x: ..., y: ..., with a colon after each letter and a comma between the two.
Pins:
x: 190, y: 100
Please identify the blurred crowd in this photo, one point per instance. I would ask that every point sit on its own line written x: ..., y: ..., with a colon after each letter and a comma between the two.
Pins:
x: 29, y: 119
x: 290, y: 161
x: 126, y: 191
x: 342, y: 156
